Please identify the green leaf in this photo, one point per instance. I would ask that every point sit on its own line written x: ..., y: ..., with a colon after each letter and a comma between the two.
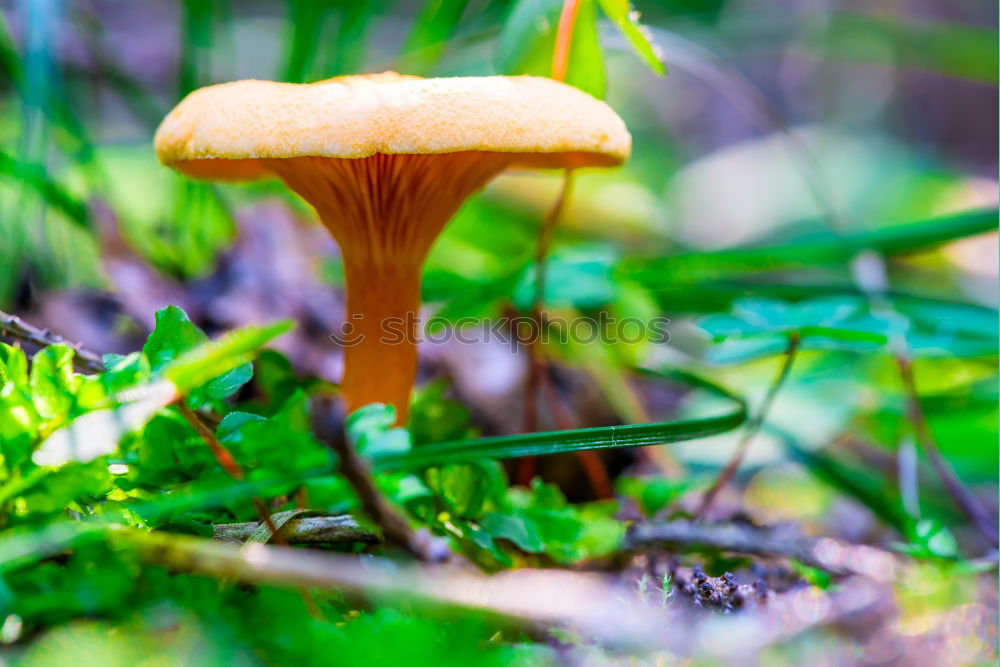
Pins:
x: 556, y: 442
x: 53, y: 382
x: 435, y: 417
x: 513, y: 528
x: 173, y: 335
x: 539, y: 520
x: 98, y: 432
x: 19, y: 420
x: 929, y: 538
x: 653, y: 494
x: 13, y: 367
x: 36, y: 178
x: 229, y: 383
x: 464, y: 488
x: 759, y: 328
x: 57, y: 489
x: 627, y: 20
x: 231, y: 424
x: 19, y: 548
x: 218, y: 357
x: 305, y: 24
x: 125, y: 371
x: 370, y: 430
x: 278, y: 445
x: 528, y: 38
x: 579, y: 277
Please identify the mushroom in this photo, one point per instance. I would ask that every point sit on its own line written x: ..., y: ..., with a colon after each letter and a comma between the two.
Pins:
x: 386, y: 160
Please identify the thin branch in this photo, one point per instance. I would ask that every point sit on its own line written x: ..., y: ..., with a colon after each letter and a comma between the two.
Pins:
x: 535, y: 598
x: 221, y: 453
x: 825, y: 553
x: 752, y: 427
x: 966, y: 501
x: 16, y: 328
x: 328, y: 427
x: 303, y: 530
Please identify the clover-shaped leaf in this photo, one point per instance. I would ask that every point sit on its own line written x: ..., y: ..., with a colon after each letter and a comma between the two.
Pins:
x: 762, y: 327
x: 757, y: 328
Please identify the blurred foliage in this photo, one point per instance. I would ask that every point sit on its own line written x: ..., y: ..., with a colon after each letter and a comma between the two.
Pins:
x: 811, y: 172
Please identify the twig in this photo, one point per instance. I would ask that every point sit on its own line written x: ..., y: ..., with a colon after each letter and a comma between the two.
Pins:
x: 303, y: 530
x: 966, y: 501
x: 752, y: 427
x: 536, y: 598
x: 221, y: 453
x: 14, y: 327
x: 328, y: 427
x: 825, y: 553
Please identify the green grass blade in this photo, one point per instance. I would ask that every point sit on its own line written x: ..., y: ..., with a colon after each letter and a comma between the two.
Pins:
x: 827, y: 249
x: 431, y: 32
x: 36, y: 178
x: 558, y: 442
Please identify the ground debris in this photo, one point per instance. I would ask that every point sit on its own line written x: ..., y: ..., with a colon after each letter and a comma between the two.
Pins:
x: 724, y: 593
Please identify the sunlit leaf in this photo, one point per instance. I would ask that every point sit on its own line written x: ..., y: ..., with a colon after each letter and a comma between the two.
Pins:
x: 627, y: 20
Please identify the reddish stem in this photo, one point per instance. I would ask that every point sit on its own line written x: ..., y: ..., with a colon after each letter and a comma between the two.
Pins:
x: 564, y: 39
x: 752, y: 428
x: 593, y: 466
x: 966, y: 501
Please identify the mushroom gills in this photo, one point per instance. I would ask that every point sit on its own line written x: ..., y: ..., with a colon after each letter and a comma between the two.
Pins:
x: 385, y: 211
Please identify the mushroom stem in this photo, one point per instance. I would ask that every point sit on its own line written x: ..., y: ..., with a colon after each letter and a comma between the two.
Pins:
x: 380, y: 343
x: 385, y: 211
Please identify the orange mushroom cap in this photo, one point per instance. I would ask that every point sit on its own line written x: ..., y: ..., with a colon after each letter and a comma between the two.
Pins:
x: 543, y: 122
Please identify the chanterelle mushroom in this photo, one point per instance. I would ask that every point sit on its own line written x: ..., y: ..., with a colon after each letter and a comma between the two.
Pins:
x: 386, y: 160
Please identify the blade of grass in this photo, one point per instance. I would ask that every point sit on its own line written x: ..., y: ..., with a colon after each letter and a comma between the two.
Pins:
x: 831, y: 249
x: 36, y: 178
x: 436, y: 23
x: 809, y: 252
x: 556, y: 442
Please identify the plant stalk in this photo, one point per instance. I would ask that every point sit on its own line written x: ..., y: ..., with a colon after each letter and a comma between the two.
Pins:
x: 752, y: 427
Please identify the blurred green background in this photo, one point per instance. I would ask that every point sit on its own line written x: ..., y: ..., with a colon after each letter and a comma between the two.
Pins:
x: 789, y: 151
x: 800, y: 131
